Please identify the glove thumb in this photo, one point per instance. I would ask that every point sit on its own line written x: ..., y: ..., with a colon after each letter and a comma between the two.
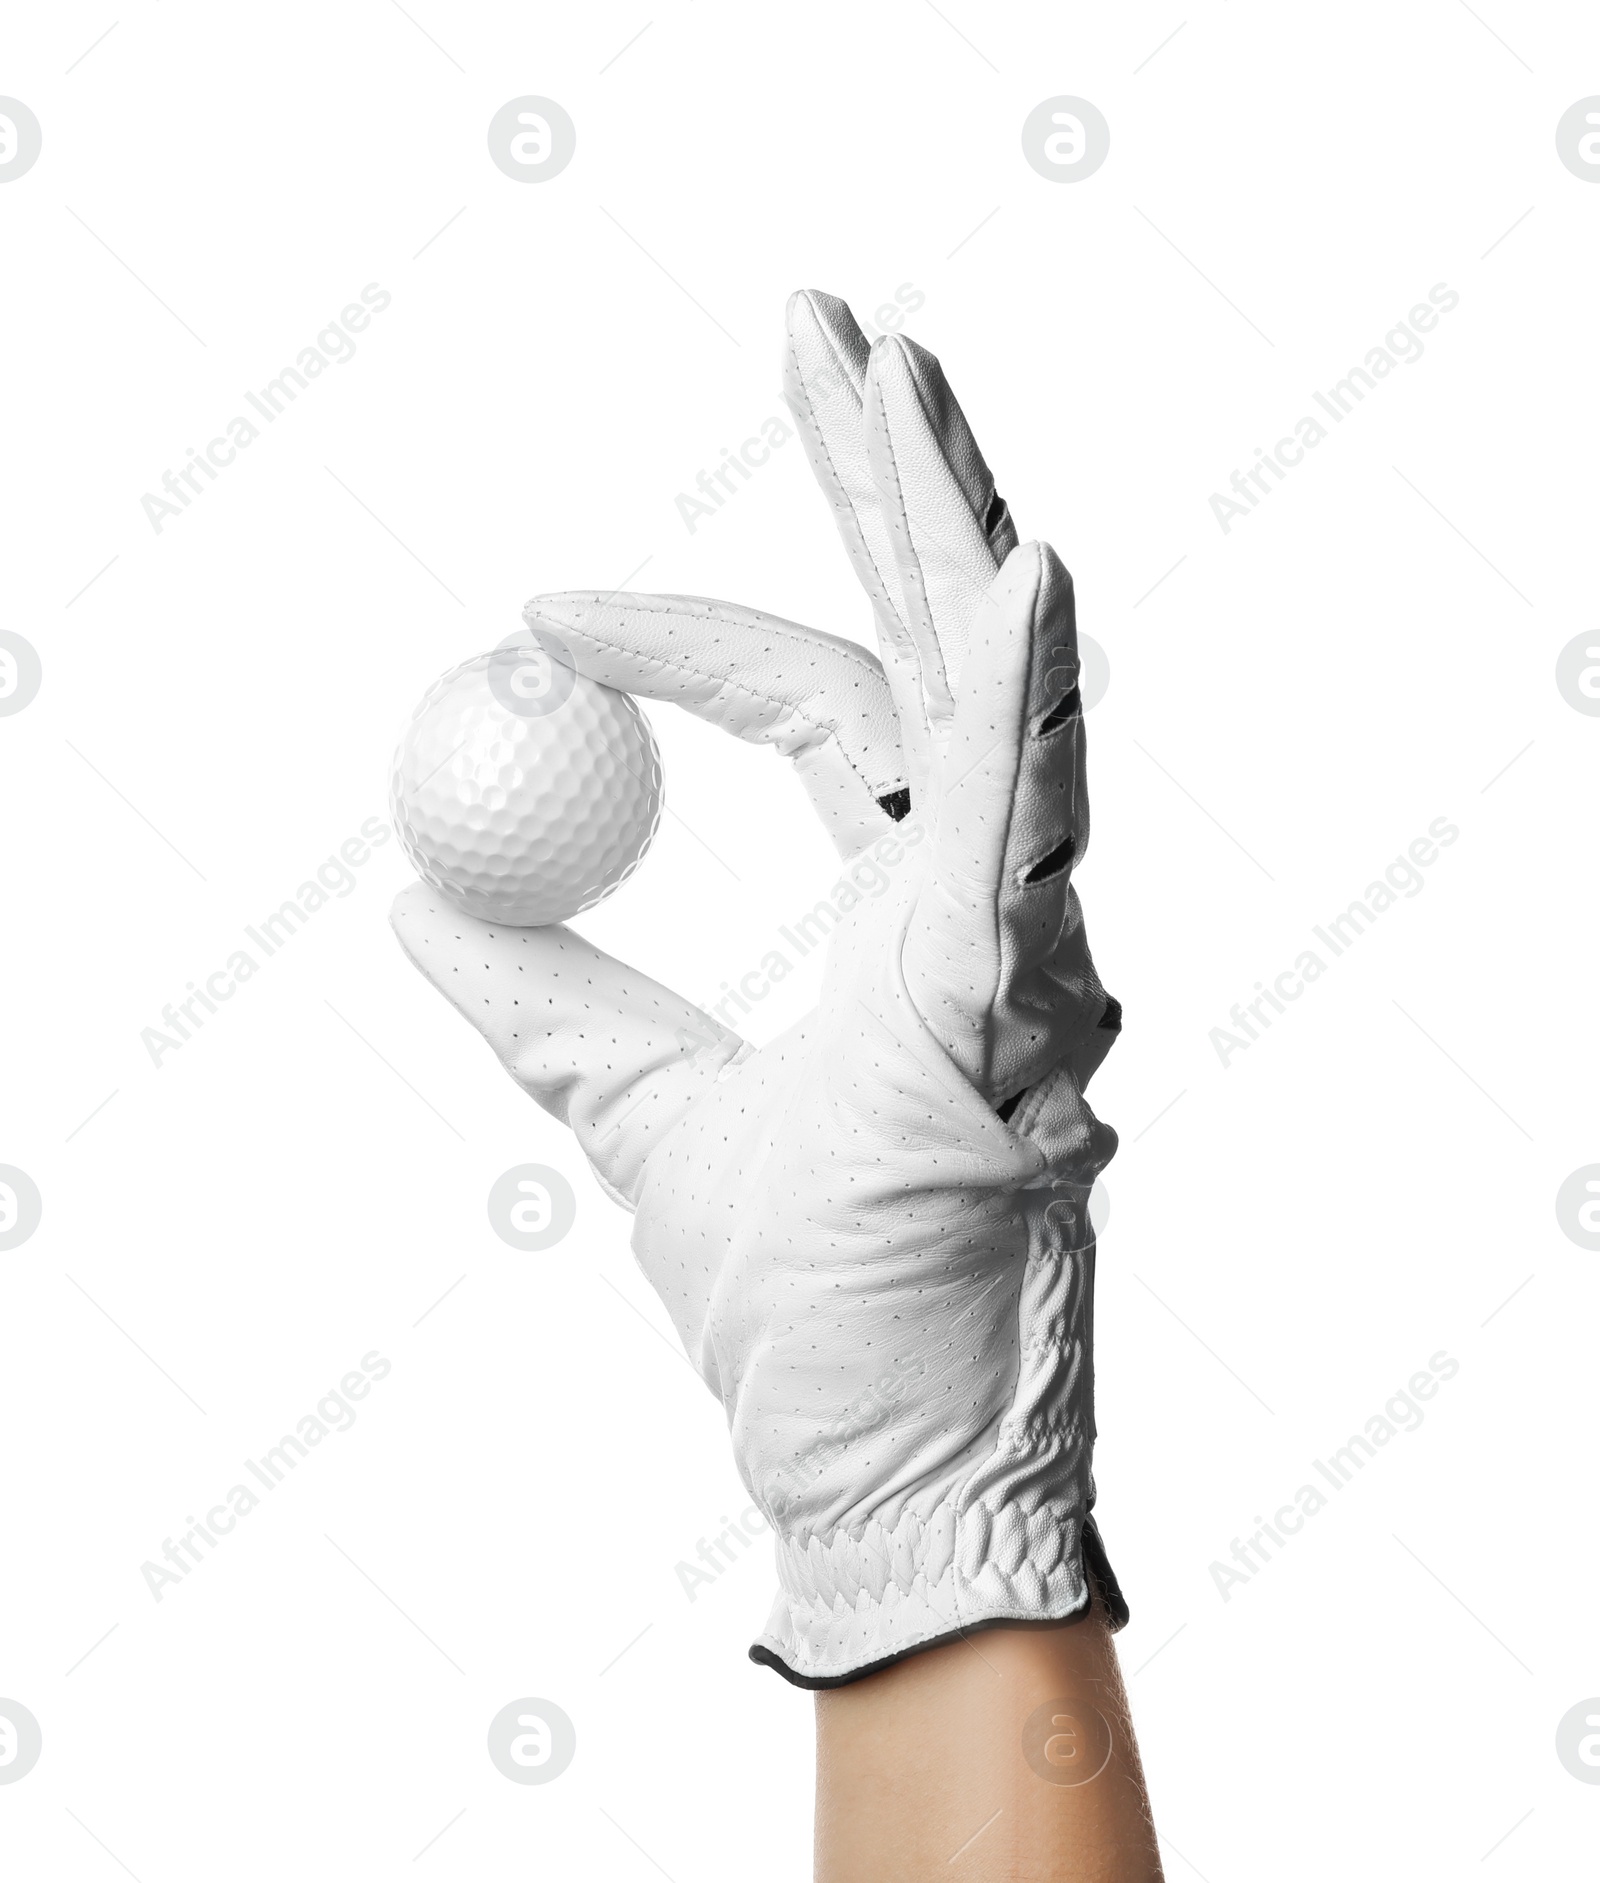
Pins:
x: 610, y: 1052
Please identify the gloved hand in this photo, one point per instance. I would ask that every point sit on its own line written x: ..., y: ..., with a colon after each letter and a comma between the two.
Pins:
x: 872, y: 1234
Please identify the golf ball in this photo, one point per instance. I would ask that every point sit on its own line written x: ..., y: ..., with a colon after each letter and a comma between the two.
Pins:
x: 522, y: 791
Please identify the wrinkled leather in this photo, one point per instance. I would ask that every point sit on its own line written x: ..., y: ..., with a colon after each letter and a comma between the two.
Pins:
x: 871, y: 1234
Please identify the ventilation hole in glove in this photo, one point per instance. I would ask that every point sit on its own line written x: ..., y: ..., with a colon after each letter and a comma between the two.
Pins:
x: 896, y: 803
x: 1111, y: 1019
x: 1058, y: 860
x: 1068, y: 707
x: 1007, y: 1106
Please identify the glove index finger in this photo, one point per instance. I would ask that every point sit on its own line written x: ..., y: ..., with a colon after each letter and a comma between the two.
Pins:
x: 818, y: 699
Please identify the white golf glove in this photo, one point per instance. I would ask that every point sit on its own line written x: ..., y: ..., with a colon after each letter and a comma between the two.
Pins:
x: 872, y: 1234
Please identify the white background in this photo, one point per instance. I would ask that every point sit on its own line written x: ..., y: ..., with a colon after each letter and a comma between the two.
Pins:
x: 1292, y: 1238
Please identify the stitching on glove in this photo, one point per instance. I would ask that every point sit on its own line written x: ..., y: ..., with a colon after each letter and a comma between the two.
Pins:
x: 1005, y: 940
x: 937, y: 650
x: 841, y: 496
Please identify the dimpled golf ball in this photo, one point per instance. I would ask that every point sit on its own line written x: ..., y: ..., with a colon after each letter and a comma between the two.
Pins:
x: 522, y: 791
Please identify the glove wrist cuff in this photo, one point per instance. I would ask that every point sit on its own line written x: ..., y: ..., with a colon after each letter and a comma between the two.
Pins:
x: 875, y: 1594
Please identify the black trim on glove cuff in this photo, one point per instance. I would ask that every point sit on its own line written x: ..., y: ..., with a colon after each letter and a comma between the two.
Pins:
x: 1102, y: 1584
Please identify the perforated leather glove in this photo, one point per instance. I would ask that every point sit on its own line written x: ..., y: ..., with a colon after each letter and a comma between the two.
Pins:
x: 872, y: 1234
